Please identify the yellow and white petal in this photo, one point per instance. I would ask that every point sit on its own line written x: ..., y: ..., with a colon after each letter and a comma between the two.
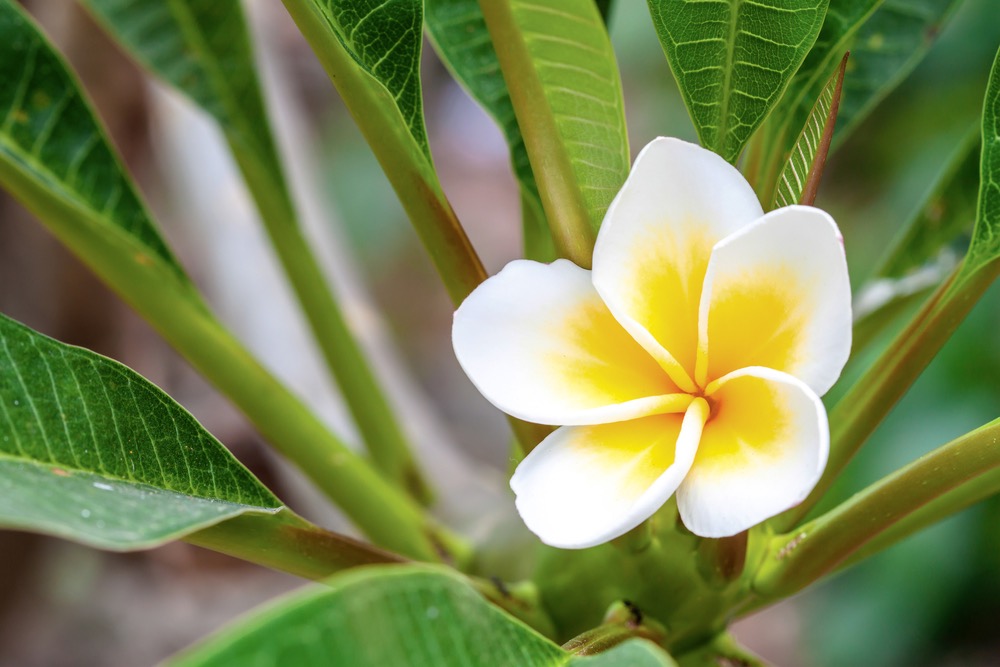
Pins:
x: 656, y: 240
x: 777, y: 295
x: 585, y: 485
x: 539, y: 343
x: 762, y: 451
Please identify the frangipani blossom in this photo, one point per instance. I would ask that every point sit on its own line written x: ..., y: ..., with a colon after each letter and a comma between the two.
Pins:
x: 690, y: 360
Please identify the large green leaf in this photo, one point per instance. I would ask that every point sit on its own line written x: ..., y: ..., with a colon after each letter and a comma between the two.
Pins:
x: 458, y: 31
x: 564, y: 82
x: 371, y: 50
x: 733, y: 60
x: 394, y: 616
x: 49, y: 141
x: 984, y: 249
x: 202, y: 48
x: 91, y: 451
x: 56, y: 160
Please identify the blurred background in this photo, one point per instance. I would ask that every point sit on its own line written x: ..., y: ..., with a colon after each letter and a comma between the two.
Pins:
x: 932, y: 600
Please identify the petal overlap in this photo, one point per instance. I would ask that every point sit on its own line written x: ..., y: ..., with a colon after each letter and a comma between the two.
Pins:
x: 761, y: 452
x: 777, y: 295
x: 539, y: 343
x: 584, y: 485
x: 656, y: 240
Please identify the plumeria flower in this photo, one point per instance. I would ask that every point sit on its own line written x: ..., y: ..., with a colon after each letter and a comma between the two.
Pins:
x: 690, y: 360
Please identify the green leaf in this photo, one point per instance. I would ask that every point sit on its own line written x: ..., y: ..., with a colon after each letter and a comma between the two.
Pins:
x: 396, y: 615
x: 202, y: 48
x: 985, y: 246
x: 884, y: 51
x: 458, y: 32
x: 91, y: 451
x: 798, y: 181
x: 733, y: 60
x: 49, y: 142
x: 371, y: 51
x: 567, y: 96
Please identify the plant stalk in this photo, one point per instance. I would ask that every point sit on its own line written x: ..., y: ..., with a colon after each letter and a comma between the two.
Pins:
x: 411, y: 174
x: 380, y: 429
x: 562, y: 200
x: 287, y: 542
x: 949, y: 474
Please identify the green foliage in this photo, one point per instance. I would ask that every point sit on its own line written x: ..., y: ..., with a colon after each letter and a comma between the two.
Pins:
x: 459, y: 33
x: 92, y: 452
x: 54, y: 154
x: 799, y: 178
x: 384, y: 37
x: 201, y: 48
x: 884, y: 50
x: 733, y: 60
x: 984, y: 250
x: 397, y: 615
x: 567, y: 95
x: 373, y: 58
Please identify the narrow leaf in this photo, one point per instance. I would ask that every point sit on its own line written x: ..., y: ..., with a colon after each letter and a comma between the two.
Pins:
x: 733, y: 60
x: 564, y: 83
x: 371, y: 51
x: 458, y: 32
x: 396, y: 615
x: 91, y: 451
x: 985, y: 246
x: 202, y: 48
x: 798, y: 182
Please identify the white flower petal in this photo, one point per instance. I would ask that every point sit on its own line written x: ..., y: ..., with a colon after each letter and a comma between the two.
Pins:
x: 539, y: 343
x: 585, y: 485
x: 761, y: 452
x: 777, y: 295
x: 655, y: 242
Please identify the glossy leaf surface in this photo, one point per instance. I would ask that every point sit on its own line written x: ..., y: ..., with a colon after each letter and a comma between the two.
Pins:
x: 92, y: 452
x: 733, y: 60
x: 396, y: 615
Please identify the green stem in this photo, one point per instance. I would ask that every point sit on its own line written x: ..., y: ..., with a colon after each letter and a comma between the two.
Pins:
x: 411, y: 174
x: 369, y: 406
x: 561, y: 197
x: 175, y: 309
x: 871, y: 398
x: 287, y: 542
x: 803, y: 556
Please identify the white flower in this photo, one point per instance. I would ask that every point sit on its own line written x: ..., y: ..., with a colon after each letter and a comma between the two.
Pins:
x: 690, y: 360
